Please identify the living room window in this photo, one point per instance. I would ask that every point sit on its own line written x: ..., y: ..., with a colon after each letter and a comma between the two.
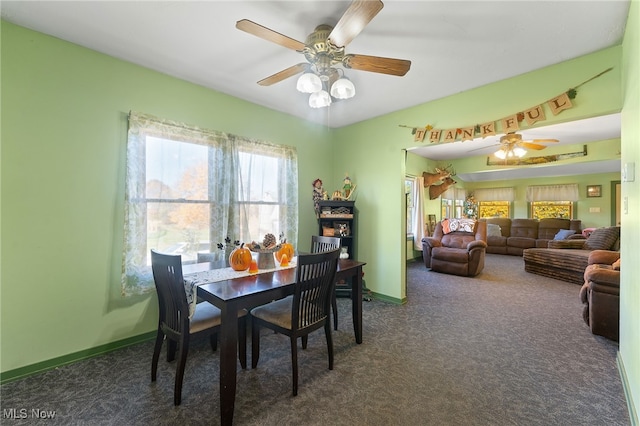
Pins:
x: 551, y: 209
x: 187, y: 189
x: 452, y: 205
x: 549, y: 201
x: 494, y: 202
x: 494, y: 209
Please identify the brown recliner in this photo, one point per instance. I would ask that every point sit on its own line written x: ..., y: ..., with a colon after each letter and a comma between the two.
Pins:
x: 458, y: 252
x: 600, y: 293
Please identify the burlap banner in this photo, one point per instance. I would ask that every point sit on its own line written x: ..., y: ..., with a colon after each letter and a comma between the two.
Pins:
x: 507, y: 124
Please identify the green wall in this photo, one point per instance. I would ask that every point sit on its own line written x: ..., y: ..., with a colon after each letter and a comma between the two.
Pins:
x: 64, y: 132
x: 64, y: 122
x: 629, y: 355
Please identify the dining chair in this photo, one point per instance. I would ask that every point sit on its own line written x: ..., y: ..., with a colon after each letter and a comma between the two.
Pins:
x: 319, y: 244
x: 174, y: 322
x: 303, y: 312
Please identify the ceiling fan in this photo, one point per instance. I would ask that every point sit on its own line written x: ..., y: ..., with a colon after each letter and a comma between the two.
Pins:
x: 324, y: 48
x: 512, y: 145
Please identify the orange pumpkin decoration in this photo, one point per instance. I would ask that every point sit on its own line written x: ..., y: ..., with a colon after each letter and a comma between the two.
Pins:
x: 285, y: 248
x: 240, y: 258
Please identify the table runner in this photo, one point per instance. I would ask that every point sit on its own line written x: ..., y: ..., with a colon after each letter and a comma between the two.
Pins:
x: 193, y: 280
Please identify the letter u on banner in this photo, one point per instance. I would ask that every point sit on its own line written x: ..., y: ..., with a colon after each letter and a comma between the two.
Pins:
x: 533, y: 115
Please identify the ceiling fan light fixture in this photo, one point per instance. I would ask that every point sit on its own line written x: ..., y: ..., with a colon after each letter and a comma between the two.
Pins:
x: 309, y: 83
x: 510, y: 152
x: 320, y: 99
x: 343, y: 88
x: 519, y: 152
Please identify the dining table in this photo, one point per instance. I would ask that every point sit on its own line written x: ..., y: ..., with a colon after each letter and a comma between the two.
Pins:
x: 246, y: 292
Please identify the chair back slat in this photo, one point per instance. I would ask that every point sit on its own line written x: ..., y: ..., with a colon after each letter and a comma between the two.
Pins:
x: 172, y: 299
x: 315, y: 278
x: 321, y: 243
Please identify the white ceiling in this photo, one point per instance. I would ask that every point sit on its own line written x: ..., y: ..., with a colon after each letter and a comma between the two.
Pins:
x: 453, y: 45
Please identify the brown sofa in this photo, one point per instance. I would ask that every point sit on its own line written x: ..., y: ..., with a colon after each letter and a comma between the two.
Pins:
x: 600, y: 294
x: 458, y: 252
x: 518, y: 235
x: 567, y: 260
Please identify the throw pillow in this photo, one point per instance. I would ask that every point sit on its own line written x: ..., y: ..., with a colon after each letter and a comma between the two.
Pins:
x: 464, y: 225
x: 602, y: 238
x: 493, y: 230
x: 445, y: 226
x: 563, y: 234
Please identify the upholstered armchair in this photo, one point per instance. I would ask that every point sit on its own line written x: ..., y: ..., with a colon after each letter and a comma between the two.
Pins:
x: 457, y: 247
x: 600, y: 293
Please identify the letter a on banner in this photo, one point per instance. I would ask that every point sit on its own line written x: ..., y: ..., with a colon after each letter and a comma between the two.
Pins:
x: 450, y: 135
x: 559, y: 104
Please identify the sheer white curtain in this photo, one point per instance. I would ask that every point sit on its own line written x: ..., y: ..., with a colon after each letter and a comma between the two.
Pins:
x: 568, y: 192
x: 187, y: 189
x: 417, y: 222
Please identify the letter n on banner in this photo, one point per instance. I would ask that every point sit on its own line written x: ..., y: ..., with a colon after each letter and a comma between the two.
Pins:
x: 467, y: 133
x: 559, y: 104
x: 533, y: 115
x: 488, y: 129
x: 434, y: 135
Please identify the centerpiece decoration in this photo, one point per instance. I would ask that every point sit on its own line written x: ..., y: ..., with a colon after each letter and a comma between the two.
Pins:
x: 240, y: 258
x: 286, y: 252
x: 265, y: 251
x: 228, y: 246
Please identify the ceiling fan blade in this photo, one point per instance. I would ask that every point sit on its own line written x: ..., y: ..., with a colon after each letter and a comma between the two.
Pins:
x: 269, y: 35
x: 284, y: 74
x: 544, y: 140
x: 530, y: 145
x: 357, y: 16
x: 377, y: 64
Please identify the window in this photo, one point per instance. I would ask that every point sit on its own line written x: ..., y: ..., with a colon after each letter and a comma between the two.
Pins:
x: 187, y: 189
x: 494, y: 209
x: 408, y: 190
x: 453, y: 202
x: 452, y: 208
x: 546, y: 209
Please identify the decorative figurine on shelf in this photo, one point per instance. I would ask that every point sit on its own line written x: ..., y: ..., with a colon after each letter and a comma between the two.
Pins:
x: 318, y: 195
x: 347, y: 187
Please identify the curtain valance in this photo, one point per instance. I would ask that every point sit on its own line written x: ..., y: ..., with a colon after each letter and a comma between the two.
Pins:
x: 568, y: 192
x: 455, y: 194
x: 495, y: 194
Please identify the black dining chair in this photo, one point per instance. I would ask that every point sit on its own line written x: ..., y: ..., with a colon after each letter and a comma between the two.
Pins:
x: 303, y: 312
x: 174, y: 322
x: 319, y: 244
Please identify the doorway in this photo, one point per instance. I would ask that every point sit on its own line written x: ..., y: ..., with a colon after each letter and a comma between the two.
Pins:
x: 616, y: 202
